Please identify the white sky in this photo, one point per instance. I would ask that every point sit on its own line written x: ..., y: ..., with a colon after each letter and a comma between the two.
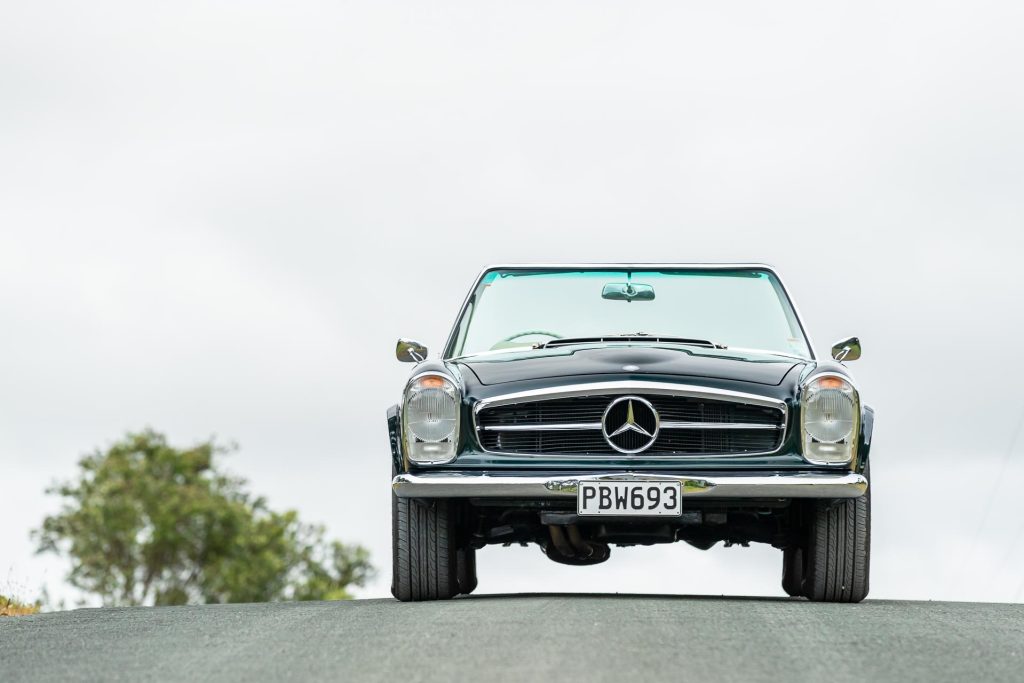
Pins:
x: 216, y: 218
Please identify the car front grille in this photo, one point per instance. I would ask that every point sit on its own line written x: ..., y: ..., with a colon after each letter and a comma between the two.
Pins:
x: 689, y: 426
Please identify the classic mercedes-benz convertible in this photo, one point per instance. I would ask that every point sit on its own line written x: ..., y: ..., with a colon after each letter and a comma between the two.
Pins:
x: 581, y: 407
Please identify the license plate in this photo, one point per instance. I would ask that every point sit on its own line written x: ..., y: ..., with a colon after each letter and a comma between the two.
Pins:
x: 636, y: 498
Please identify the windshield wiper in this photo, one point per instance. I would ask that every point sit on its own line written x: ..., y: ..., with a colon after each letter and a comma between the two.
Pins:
x: 637, y: 337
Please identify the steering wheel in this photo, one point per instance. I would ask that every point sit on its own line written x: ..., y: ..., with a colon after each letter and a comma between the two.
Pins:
x: 529, y: 332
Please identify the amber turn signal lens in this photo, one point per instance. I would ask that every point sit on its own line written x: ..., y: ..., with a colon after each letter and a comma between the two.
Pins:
x: 431, y: 382
x: 830, y: 383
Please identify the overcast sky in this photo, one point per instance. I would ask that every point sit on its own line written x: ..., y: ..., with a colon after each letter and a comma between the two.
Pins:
x: 216, y: 218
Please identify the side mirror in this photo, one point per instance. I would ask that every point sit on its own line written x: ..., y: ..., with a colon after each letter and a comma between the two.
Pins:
x: 846, y: 349
x: 409, y: 351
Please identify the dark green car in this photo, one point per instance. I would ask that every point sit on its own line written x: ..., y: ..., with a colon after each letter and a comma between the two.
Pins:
x: 581, y: 407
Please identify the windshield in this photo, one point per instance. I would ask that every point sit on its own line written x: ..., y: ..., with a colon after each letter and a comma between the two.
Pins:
x: 519, y: 308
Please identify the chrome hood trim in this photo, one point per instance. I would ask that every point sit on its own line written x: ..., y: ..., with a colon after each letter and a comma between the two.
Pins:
x: 629, y: 387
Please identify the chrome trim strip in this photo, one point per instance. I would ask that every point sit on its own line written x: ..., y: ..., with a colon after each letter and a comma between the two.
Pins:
x: 629, y: 387
x: 543, y: 427
x: 626, y: 387
x: 719, y: 425
x: 463, y: 485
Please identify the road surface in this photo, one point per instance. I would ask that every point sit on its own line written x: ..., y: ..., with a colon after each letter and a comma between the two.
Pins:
x: 524, y: 637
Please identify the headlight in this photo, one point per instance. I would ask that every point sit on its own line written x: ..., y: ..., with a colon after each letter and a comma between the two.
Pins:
x: 830, y: 410
x: 431, y: 419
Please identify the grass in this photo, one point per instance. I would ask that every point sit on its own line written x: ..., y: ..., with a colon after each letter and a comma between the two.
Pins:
x: 10, y: 607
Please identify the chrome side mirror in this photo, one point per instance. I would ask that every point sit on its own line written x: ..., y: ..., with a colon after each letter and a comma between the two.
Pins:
x: 846, y: 349
x: 409, y: 351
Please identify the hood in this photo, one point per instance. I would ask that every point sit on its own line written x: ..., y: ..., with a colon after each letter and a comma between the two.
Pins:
x: 532, y: 364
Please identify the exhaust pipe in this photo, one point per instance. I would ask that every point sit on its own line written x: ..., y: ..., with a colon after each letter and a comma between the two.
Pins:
x: 568, y: 546
x: 584, y: 548
x: 561, y: 542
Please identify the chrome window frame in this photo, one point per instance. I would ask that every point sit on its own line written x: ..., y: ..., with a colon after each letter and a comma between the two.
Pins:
x: 626, y: 388
x: 449, y: 346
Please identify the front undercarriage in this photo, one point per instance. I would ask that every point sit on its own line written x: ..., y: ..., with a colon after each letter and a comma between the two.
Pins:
x: 825, y: 541
x: 570, y: 538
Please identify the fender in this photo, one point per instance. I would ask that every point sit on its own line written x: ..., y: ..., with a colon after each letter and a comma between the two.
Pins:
x: 867, y: 425
x: 396, y: 441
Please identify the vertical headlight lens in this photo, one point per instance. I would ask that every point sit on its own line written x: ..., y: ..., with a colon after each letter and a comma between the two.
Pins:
x: 830, y: 410
x: 431, y: 417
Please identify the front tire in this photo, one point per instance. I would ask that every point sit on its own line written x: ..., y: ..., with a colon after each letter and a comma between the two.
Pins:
x: 838, y: 551
x: 424, y: 562
x: 793, y: 571
x: 465, y: 561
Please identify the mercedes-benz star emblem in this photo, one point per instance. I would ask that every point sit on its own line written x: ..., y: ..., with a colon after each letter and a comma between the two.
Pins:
x: 630, y: 424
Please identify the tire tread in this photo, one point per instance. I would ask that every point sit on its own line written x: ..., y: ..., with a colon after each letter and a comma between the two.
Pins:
x: 837, y: 553
x: 423, y: 561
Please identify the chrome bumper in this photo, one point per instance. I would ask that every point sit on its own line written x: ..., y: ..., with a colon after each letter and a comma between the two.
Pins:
x: 464, y: 485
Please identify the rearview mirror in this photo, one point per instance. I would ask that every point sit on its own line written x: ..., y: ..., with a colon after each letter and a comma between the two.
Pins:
x: 846, y: 349
x: 627, y: 291
x: 409, y: 351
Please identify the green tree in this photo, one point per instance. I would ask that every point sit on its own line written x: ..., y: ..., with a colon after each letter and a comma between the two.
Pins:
x: 147, y: 523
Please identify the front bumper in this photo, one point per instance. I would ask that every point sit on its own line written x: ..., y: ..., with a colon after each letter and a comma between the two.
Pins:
x: 513, y: 486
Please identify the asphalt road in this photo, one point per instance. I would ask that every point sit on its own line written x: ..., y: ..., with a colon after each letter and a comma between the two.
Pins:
x: 524, y: 637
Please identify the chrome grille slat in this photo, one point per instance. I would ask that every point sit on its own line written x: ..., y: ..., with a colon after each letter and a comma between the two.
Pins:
x: 567, y: 426
x: 542, y: 427
x: 715, y: 425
